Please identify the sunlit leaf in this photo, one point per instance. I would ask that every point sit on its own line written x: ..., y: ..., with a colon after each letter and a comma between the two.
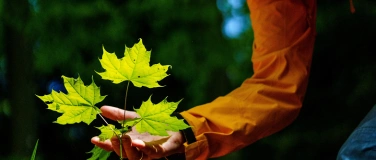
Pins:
x: 107, y: 132
x: 99, y: 154
x: 35, y: 151
x: 78, y: 105
x: 156, y: 119
x: 134, y: 66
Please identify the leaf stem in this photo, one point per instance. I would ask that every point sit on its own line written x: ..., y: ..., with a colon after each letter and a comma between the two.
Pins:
x: 119, y: 136
x: 100, y: 115
x: 123, y: 125
x: 121, y: 146
x: 125, y: 102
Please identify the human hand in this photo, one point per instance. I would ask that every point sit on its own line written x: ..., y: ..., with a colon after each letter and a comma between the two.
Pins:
x: 136, y: 146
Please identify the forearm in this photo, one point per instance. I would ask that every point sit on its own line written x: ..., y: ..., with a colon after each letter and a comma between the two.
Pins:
x: 272, y: 97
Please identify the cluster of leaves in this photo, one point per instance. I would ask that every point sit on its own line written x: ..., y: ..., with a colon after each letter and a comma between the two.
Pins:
x: 79, y: 103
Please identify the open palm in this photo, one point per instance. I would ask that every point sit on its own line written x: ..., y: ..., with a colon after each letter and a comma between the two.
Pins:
x: 136, y: 145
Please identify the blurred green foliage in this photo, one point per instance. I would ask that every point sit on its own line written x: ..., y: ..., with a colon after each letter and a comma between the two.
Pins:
x: 66, y: 38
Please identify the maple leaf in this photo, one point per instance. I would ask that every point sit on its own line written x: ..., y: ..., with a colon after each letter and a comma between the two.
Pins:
x: 156, y: 119
x: 107, y: 132
x: 35, y: 151
x: 134, y: 66
x: 130, y: 122
x: 99, y: 153
x: 78, y: 105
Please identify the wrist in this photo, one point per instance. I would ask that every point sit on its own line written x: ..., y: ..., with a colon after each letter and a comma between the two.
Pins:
x: 188, y: 135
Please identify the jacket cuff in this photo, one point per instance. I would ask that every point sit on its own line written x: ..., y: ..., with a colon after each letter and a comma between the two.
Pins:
x: 188, y: 132
x: 197, y: 149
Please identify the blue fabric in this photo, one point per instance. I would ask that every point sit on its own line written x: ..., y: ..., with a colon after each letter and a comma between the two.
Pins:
x: 362, y: 142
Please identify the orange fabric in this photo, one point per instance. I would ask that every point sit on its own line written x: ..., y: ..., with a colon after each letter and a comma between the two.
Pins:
x: 352, y: 8
x: 270, y: 100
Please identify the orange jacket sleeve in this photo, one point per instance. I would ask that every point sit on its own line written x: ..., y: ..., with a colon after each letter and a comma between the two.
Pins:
x: 284, y: 34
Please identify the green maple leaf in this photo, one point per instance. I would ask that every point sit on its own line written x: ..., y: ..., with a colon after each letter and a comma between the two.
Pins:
x: 107, y: 132
x: 35, y: 151
x: 99, y: 153
x: 134, y: 66
x: 156, y: 119
x: 130, y: 122
x: 78, y: 105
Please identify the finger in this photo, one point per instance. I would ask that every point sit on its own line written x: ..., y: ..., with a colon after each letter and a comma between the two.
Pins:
x: 171, y: 147
x: 106, y: 145
x: 153, y: 149
x: 162, y: 147
x: 175, y: 143
x: 116, y: 114
x: 116, y: 147
x: 131, y: 151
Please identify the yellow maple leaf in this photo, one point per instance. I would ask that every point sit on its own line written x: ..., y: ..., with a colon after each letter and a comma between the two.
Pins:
x: 134, y: 66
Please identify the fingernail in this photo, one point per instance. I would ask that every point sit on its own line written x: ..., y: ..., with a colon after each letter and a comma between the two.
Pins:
x: 95, y: 140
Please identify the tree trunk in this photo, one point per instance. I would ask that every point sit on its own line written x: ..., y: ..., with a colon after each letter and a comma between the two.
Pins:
x: 21, y: 86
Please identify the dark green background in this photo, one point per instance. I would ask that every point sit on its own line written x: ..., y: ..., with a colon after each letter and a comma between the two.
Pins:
x: 44, y: 39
